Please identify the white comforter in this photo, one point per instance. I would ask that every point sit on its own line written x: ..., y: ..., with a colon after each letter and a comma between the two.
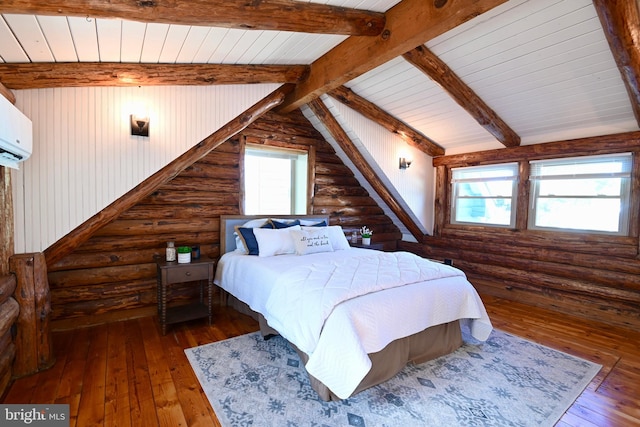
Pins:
x: 328, y: 304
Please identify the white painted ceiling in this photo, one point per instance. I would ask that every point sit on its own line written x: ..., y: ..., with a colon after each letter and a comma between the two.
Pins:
x: 544, y: 66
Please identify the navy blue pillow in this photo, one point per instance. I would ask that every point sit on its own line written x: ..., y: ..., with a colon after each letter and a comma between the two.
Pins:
x: 320, y: 224
x: 279, y: 225
x: 249, y: 239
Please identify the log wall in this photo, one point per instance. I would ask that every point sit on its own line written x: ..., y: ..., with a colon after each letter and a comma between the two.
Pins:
x: 8, y: 305
x: 9, y: 310
x: 112, y: 275
x: 589, y: 275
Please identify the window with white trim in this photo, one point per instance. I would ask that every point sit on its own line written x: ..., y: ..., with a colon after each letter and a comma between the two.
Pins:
x: 484, y: 195
x: 275, y: 181
x: 588, y: 194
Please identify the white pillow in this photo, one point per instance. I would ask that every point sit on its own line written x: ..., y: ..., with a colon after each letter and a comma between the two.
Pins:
x: 336, y: 235
x: 275, y: 241
x: 338, y: 239
x: 255, y: 223
x: 249, y: 224
x: 312, y: 240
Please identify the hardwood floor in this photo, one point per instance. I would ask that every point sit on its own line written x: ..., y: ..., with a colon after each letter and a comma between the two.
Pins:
x: 128, y: 374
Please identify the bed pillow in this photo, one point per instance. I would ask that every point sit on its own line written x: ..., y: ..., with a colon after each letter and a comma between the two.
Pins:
x: 312, y: 240
x: 277, y: 241
x: 248, y: 240
x: 240, y: 245
x: 339, y: 241
x: 283, y: 224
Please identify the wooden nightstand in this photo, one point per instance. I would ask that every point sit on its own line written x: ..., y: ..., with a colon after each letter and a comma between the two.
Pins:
x: 169, y: 273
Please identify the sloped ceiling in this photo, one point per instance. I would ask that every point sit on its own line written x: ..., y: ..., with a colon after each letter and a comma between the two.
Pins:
x: 542, y: 69
x: 543, y: 66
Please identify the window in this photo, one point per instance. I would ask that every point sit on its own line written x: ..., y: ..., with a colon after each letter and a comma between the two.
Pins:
x: 582, y: 193
x: 275, y: 181
x: 484, y: 195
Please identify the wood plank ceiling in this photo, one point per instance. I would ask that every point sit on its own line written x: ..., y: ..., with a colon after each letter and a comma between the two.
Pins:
x: 449, y: 75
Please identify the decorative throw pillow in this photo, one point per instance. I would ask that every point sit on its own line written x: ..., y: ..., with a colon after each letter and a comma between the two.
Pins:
x: 283, y: 224
x: 240, y: 245
x: 248, y: 240
x: 336, y: 236
x: 309, y: 223
x: 275, y: 241
x: 312, y: 240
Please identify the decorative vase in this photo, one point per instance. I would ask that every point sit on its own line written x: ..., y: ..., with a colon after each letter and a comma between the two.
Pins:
x: 171, y: 252
x: 366, y: 241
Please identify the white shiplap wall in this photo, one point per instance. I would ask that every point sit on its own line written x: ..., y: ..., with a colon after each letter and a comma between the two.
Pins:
x: 413, y: 187
x: 84, y: 157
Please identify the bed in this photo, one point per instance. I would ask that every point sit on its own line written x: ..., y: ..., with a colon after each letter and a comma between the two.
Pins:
x: 355, y: 316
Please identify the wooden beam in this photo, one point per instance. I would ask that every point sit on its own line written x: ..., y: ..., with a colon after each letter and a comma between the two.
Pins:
x: 51, y: 75
x: 4, y: 91
x: 591, y: 146
x: 324, y: 115
x: 278, y: 15
x: 441, y: 206
x: 84, y: 231
x: 620, y: 21
x: 6, y: 220
x: 410, y: 23
x: 392, y: 124
x: 34, y: 349
x: 423, y: 59
x: 7, y: 288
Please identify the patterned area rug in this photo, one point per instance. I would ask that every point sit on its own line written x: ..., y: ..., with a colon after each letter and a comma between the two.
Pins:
x: 506, y: 381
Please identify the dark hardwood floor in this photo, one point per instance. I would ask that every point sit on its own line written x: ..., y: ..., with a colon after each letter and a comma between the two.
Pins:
x: 128, y: 374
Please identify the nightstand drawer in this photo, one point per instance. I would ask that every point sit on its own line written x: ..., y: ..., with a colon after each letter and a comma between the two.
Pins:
x: 188, y: 273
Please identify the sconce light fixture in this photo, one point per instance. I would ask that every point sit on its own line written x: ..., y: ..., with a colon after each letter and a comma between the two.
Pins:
x: 404, y: 163
x: 139, y: 125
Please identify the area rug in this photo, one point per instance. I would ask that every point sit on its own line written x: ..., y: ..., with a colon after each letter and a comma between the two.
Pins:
x: 505, y: 381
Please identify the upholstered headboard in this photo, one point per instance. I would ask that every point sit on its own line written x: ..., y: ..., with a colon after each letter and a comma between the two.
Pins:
x: 228, y: 222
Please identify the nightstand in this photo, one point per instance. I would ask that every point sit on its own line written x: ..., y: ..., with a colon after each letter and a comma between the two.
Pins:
x: 170, y: 273
x: 376, y: 246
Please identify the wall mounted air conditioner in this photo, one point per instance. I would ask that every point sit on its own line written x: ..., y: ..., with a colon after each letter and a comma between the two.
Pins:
x: 16, y: 135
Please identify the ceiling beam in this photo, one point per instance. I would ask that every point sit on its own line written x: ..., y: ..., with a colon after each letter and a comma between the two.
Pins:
x: 386, y: 120
x: 620, y: 21
x: 589, y: 146
x: 423, y: 59
x: 338, y: 133
x: 77, y: 74
x: 278, y: 15
x: 6, y: 92
x: 410, y: 23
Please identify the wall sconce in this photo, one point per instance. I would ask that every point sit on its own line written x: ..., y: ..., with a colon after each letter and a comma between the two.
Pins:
x: 139, y: 125
x: 404, y: 163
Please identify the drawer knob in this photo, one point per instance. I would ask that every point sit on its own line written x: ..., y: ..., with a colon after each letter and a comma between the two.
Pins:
x: 188, y: 273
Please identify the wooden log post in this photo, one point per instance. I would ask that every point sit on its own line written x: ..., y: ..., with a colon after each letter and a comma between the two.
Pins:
x: 33, y: 336
x: 9, y: 310
x: 6, y: 220
x: 6, y: 358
